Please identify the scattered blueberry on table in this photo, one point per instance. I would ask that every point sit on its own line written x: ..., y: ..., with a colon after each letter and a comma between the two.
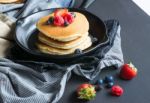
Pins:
x: 108, y: 79
x: 100, y: 82
x: 110, y: 84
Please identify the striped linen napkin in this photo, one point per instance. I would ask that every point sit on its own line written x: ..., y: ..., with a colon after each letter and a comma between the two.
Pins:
x: 41, y: 82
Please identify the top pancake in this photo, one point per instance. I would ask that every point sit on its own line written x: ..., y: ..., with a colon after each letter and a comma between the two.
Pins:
x: 11, y: 1
x: 76, y: 29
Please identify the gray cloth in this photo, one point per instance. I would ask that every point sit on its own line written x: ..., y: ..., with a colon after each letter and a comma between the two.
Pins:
x: 41, y: 82
x: 30, y: 6
x: 6, y: 34
x: 21, y: 84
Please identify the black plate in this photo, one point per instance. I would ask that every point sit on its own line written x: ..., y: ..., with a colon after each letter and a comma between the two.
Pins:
x: 26, y: 34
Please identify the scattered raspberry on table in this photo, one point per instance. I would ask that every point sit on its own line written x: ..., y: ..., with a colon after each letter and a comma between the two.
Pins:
x: 116, y: 90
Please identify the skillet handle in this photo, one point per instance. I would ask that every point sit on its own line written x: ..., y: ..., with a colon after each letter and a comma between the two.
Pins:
x: 86, y: 3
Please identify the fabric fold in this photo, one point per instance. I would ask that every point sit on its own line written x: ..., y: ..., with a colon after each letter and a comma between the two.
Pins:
x: 22, y: 84
x: 31, y: 6
x: 43, y: 82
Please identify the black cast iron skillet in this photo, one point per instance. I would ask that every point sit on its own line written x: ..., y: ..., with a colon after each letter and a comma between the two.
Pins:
x: 26, y: 34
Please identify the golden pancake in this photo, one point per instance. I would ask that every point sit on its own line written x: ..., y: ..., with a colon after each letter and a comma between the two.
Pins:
x: 11, y: 1
x: 55, y: 51
x: 62, y: 45
x: 76, y: 29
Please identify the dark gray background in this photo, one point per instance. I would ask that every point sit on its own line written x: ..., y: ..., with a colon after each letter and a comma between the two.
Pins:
x: 135, y: 36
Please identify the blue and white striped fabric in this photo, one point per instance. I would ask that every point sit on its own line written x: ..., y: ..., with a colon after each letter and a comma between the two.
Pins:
x: 31, y: 6
x: 22, y: 84
x: 39, y: 82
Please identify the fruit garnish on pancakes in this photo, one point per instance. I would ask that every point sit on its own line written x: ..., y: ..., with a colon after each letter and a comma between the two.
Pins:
x: 62, y: 17
x: 60, y: 12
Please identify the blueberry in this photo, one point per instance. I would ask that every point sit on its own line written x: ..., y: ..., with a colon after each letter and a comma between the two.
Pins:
x: 78, y: 51
x: 109, y: 79
x: 94, y: 40
x: 98, y: 87
x: 110, y: 84
x: 66, y: 23
x: 50, y: 20
x: 99, y: 82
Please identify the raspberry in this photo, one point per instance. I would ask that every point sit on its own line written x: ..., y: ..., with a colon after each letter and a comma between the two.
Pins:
x: 68, y: 17
x: 110, y: 84
x: 58, y: 21
x: 116, y: 90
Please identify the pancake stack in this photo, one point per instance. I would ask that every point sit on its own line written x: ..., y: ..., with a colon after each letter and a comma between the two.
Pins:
x: 62, y: 40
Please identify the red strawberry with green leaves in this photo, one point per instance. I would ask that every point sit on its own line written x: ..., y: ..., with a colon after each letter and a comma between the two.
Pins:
x: 86, y: 92
x: 128, y: 71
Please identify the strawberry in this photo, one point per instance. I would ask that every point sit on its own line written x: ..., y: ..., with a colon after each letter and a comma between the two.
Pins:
x: 86, y: 92
x: 116, y: 90
x: 60, y: 12
x: 62, y: 17
x: 58, y: 21
x: 128, y: 71
x: 68, y: 17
